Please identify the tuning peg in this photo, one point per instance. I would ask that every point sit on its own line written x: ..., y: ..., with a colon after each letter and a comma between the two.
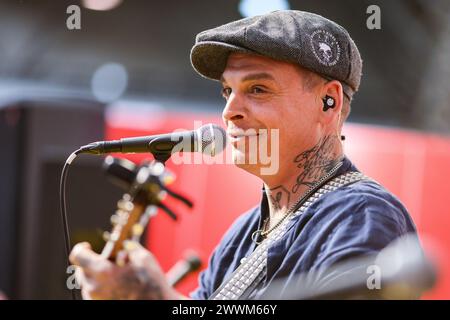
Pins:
x: 168, y: 178
x: 162, y: 195
x: 157, y: 169
x: 137, y: 230
x: 130, y: 245
x: 119, y: 218
x: 106, y: 236
x: 125, y: 205
x: 114, y: 219
x: 114, y: 236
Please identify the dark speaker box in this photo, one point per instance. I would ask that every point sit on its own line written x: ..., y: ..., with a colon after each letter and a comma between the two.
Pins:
x: 36, y: 138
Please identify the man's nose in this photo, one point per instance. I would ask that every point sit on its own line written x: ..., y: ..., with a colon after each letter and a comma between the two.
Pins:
x: 234, y: 109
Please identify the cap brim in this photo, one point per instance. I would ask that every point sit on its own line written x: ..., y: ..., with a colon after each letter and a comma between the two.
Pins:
x: 209, y: 58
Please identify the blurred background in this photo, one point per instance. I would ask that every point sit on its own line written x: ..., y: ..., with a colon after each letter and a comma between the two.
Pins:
x: 126, y: 72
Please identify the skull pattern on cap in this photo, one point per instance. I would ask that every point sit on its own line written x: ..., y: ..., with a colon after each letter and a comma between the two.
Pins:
x: 325, y: 47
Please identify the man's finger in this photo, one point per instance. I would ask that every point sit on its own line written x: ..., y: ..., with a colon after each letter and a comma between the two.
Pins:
x: 144, y: 263
x: 79, y: 276
x: 138, y: 255
x: 92, y: 263
x: 82, y: 255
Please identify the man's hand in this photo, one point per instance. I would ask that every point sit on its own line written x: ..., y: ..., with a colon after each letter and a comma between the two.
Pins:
x: 140, y: 278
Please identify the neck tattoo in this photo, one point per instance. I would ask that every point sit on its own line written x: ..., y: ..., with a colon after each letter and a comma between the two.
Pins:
x: 317, y: 163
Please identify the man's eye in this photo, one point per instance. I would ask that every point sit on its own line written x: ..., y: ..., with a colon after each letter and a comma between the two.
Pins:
x: 257, y: 89
x: 226, y: 92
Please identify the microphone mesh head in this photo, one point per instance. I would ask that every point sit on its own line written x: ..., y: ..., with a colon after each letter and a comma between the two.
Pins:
x: 212, y: 139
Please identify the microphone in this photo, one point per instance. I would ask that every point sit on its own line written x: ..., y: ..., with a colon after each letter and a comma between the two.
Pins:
x: 209, y: 139
x: 182, y: 268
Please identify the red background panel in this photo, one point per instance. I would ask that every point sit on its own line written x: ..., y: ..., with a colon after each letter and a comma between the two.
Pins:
x: 412, y: 165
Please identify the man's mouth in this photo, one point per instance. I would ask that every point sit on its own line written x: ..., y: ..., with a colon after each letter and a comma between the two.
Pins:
x: 238, y: 135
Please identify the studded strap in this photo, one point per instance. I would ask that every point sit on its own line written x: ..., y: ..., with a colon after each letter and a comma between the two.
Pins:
x: 250, y: 270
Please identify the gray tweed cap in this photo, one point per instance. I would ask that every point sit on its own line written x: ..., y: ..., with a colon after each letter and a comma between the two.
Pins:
x: 309, y: 40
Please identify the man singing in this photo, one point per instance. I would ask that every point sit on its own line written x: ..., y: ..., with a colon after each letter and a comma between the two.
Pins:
x: 295, y: 72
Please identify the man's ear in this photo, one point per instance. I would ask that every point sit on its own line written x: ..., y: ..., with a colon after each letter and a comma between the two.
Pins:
x: 332, y: 96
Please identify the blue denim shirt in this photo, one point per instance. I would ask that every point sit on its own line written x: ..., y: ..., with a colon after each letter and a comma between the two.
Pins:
x: 354, y: 220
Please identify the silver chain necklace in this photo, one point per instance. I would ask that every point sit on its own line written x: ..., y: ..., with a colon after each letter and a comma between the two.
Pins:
x: 261, y: 233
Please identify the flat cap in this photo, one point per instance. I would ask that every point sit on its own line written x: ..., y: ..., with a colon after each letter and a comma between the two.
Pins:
x: 307, y: 39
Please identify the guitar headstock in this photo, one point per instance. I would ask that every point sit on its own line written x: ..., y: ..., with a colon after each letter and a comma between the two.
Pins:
x: 146, y: 187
